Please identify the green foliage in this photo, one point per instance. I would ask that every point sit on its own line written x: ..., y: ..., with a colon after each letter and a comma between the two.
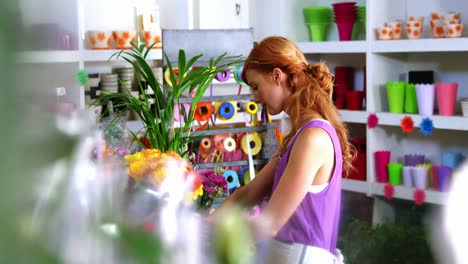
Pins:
x: 143, y: 246
x: 404, y: 241
x: 158, y: 122
x: 233, y: 241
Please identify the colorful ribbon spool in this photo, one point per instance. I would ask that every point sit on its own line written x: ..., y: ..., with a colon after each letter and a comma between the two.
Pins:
x: 223, y: 76
x: 241, y: 174
x: 250, y: 108
x: 229, y: 144
x: 225, y: 111
x: 218, y: 142
x: 255, y: 143
x: 232, y: 178
x: 203, y: 111
x: 204, y: 149
x: 247, y: 176
x: 238, y: 75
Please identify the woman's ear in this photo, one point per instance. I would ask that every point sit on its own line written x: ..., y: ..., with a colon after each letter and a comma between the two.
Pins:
x: 277, y: 75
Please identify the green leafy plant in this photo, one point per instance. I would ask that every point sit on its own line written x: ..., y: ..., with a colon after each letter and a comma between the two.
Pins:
x: 158, y: 122
x: 404, y: 241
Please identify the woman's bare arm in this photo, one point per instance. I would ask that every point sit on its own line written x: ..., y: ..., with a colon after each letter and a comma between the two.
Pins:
x: 306, y: 158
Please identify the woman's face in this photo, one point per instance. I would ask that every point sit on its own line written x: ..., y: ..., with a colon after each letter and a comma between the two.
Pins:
x: 269, y: 89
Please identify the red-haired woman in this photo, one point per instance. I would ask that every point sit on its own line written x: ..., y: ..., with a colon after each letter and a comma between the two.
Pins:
x: 304, y: 177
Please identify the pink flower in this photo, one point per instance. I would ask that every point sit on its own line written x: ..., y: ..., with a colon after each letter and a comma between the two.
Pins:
x: 389, y: 191
x: 372, y: 121
x: 209, y: 190
x: 419, y: 196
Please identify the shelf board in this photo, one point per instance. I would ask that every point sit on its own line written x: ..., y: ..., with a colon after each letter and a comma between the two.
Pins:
x: 350, y: 116
x: 406, y: 193
x: 136, y: 125
x: 218, y: 98
x: 440, y: 122
x: 333, y: 47
x: 355, y: 186
x: 230, y: 163
x: 64, y: 56
x: 104, y: 55
x: 419, y: 45
x: 232, y: 130
x: 48, y: 56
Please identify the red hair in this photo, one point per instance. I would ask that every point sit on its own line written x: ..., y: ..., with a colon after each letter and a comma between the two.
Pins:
x: 311, y: 89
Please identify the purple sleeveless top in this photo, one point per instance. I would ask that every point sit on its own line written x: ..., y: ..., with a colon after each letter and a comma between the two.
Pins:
x: 315, y: 222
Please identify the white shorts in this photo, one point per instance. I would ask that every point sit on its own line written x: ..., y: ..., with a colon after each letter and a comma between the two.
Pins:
x: 293, y: 253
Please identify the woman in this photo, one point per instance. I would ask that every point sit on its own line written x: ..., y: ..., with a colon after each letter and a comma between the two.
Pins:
x: 304, y: 177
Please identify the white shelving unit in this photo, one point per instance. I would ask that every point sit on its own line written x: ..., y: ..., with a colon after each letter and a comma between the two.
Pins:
x: 74, y: 19
x: 386, y: 61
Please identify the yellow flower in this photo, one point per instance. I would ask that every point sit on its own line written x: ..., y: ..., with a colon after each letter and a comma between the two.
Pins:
x: 137, y: 169
x: 133, y: 157
x: 198, y: 192
x: 152, y: 153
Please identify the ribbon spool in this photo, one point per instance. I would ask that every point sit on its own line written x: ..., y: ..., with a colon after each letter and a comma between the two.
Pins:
x: 204, y: 148
x: 241, y: 174
x: 223, y: 76
x: 229, y: 144
x: 255, y: 143
x: 225, y: 111
x: 203, y: 111
x: 231, y: 178
x: 238, y: 75
x: 218, y: 142
x: 246, y: 176
x: 250, y: 108
x: 178, y: 112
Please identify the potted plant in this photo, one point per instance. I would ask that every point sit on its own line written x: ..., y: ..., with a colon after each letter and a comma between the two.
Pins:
x: 158, y: 123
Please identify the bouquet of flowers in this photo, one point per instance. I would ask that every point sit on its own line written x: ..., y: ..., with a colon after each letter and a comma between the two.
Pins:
x: 156, y: 167
x: 214, y: 187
